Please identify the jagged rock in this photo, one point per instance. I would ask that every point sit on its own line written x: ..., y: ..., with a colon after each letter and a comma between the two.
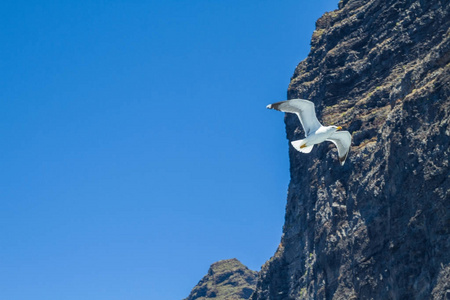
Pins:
x: 378, y: 227
x: 227, y: 280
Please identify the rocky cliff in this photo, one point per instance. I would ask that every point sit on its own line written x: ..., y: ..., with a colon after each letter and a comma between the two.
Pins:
x: 378, y: 227
x: 226, y: 279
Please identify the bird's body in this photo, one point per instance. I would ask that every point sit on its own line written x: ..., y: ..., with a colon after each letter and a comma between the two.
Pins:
x: 316, y: 137
x: 315, y: 133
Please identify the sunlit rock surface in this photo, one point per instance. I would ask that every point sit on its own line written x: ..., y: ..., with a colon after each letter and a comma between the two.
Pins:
x: 226, y: 280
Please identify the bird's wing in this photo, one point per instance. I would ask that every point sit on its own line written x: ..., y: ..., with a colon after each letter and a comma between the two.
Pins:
x: 342, y: 140
x: 304, y: 109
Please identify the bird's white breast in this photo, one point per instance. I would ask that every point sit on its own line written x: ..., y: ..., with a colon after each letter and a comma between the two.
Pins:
x: 320, y: 135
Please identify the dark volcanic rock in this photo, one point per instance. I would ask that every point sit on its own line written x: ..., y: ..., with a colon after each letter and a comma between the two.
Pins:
x: 227, y: 280
x: 378, y: 227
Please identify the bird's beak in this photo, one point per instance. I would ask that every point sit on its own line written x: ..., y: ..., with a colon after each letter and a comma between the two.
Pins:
x: 339, y: 128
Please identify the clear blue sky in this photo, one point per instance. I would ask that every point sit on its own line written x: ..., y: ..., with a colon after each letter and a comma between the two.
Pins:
x: 136, y: 148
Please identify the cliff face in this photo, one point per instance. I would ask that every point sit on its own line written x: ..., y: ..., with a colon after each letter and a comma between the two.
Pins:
x: 378, y: 227
x: 227, y: 280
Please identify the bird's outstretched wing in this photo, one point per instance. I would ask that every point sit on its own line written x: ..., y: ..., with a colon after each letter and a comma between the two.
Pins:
x: 342, y: 140
x: 304, y: 109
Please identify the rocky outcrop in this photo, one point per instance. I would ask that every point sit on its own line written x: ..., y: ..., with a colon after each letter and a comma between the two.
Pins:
x: 378, y: 227
x: 227, y: 280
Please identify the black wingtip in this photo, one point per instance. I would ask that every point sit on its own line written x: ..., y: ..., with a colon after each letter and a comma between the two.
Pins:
x: 275, y: 105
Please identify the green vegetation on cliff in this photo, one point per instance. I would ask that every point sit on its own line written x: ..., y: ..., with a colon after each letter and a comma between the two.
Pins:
x: 226, y: 280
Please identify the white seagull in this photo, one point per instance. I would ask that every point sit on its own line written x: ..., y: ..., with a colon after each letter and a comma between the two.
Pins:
x: 315, y: 132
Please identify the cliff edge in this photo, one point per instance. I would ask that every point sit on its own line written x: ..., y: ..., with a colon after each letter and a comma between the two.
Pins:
x: 378, y: 227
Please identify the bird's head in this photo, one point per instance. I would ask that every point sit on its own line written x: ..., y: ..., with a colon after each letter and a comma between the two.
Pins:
x: 338, y: 127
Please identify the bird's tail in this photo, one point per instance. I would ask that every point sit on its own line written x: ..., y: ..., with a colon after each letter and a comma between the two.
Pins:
x: 300, y: 146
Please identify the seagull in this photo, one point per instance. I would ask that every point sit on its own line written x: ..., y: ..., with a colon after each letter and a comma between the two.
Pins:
x: 315, y: 133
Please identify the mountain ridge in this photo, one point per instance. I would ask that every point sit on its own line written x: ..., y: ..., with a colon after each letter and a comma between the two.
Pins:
x: 226, y: 279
